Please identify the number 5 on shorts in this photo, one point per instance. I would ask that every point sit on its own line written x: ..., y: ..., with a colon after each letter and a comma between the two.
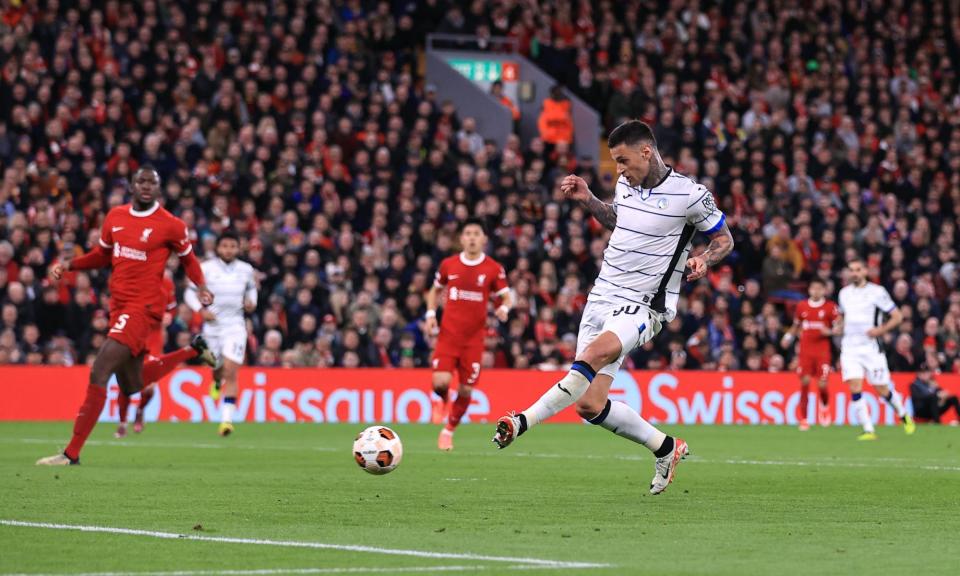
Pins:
x: 121, y: 323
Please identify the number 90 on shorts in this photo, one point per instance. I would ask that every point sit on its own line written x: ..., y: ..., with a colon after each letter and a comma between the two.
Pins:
x: 634, y: 325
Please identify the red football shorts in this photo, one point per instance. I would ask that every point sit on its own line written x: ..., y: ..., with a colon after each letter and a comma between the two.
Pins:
x: 464, y: 360
x: 155, y: 342
x: 813, y: 365
x: 133, y: 328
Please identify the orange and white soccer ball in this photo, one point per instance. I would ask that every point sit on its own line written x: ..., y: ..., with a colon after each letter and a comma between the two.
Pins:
x: 378, y: 450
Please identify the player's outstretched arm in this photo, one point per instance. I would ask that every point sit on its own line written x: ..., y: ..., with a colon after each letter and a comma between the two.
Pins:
x: 575, y: 188
x: 605, y: 213
x: 195, y: 273
x: 506, y: 304
x: 250, y: 294
x: 896, y: 317
x: 430, y: 319
x: 790, y: 334
x: 721, y: 244
x: 99, y: 257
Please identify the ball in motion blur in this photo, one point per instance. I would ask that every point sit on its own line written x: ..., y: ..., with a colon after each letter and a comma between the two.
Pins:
x: 378, y: 450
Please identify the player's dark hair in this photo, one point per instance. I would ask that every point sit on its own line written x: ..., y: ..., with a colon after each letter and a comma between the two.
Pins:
x: 473, y: 221
x: 146, y: 168
x: 228, y: 235
x: 817, y: 280
x: 631, y: 133
x: 856, y: 259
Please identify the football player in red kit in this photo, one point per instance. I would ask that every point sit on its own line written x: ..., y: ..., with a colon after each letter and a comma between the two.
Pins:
x: 157, y: 365
x: 469, y: 279
x: 135, y: 240
x: 814, y: 319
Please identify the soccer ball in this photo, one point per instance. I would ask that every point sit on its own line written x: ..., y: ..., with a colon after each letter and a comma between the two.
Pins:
x: 378, y: 450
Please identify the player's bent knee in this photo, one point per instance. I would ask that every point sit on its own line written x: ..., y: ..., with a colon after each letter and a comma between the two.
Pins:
x: 599, y: 354
x: 588, y: 408
x: 441, y: 381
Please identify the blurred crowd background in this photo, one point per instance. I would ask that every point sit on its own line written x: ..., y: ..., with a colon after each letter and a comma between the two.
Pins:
x: 825, y: 128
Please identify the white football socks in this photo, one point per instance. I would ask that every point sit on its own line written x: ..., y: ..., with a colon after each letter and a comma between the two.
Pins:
x: 863, y: 412
x: 624, y: 421
x: 567, y: 391
x: 226, y: 412
x: 894, y: 400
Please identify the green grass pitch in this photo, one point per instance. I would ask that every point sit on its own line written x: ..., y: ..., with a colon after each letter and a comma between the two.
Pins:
x: 750, y: 500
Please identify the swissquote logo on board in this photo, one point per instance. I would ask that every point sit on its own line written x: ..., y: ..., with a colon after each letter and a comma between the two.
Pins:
x: 368, y: 396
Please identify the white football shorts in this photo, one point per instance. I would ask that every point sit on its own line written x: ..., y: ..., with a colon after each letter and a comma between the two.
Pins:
x: 864, y: 362
x: 634, y: 325
x: 227, y: 343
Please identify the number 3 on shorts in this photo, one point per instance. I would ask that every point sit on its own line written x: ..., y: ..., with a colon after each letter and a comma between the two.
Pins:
x: 121, y: 323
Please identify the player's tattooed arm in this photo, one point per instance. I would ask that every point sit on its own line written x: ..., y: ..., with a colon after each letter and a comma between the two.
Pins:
x: 721, y: 244
x: 575, y: 188
x: 605, y: 213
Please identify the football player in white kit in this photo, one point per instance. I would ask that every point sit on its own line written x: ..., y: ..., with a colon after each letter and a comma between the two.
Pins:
x: 654, y: 216
x: 224, y: 327
x: 863, y: 305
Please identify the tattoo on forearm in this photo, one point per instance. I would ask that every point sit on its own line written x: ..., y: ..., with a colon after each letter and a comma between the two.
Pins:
x: 605, y: 213
x: 721, y: 244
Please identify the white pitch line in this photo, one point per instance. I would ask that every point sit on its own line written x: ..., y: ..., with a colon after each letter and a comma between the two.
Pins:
x: 303, y: 544
x: 878, y: 462
x: 148, y: 444
x: 272, y: 571
x: 825, y: 464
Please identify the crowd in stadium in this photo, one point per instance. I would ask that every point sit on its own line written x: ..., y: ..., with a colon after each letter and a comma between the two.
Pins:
x: 825, y: 129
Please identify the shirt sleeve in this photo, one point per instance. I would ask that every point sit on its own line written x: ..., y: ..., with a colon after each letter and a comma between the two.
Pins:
x: 180, y: 239
x: 702, y: 212
x: 500, y: 286
x: 440, y: 280
x: 106, y: 232
x: 884, y: 301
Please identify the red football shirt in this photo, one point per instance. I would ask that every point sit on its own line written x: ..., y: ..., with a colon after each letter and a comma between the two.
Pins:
x: 141, y: 242
x: 813, y: 319
x: 469, y: 285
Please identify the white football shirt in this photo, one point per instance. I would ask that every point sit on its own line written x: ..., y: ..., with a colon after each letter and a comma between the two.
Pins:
x: 863, y: 308
x: 231, y: 284
x: 647, y: 253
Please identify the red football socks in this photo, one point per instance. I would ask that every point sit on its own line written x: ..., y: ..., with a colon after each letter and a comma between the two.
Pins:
x: 457, y: 411
x: 156, y: 368
x: 123, y: 405
x: 86, y: 419
x: 804, y: 401
x: 145, y: 395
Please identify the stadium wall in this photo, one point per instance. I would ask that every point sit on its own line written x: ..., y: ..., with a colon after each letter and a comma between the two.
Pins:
x: 386, y: 396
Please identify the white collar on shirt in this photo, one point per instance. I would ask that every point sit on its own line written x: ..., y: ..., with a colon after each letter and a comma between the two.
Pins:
x: 469, y: 262
x: 144, y: 213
